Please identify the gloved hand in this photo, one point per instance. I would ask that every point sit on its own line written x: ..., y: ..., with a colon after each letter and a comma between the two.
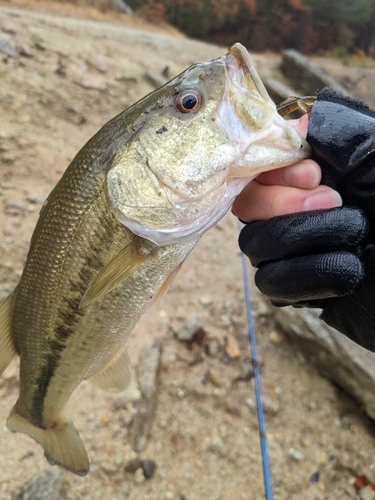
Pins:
x: 326, y: 259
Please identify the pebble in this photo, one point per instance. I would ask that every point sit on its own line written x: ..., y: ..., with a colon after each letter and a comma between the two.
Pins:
x: 14, y: 207
x: 6, y: 287
x: 48, y: 485
x: 133, y: 465
x: 271, y: 405
x: 162, y: 474
x: 233, y: 405
x: 127, y: 77
x: 139, y: 476
x: 189, y: 329
x: 105, y: 419
x: 93, y: 84
x: 276, y: 337
x: 214, y: 377
x: 109, y: 469
x: 205, y: 301
x: 7, y: 49
x: 148, y: 467
x: 367, y: 493
x: 213, y: 348
x: 215, y: 444
x: 231, y: 347
x: 295, y: 455
x: 39, y: 199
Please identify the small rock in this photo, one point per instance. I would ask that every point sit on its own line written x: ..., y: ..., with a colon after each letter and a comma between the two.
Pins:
x: 40, y: 45
x: 105, y: 419
x: 119, y: 404
x: 24, y: 51
x: 133, y: 465
x: 187, y: 332
x: 205, y: 301
x: 215, y: 444
x: 7, y: 49
x: 214, y: 377
x: 91, y: 83
x: 250, y: 403
x: 6, y: 287
x: 295, y: 455
x: 276, y: 337
x: 233, y: 405
x: 14, y: 207
x: 38, y: 199
x: 213, y: 348
x: 109, y: 469
x: 180, y: 393
x: 231, y: 347
x: 314, y: 478
x: 367, y: 493
x: 148, y: 467
x: 48, y: 485
x: 271, y: 405
x: 126, y: 77
x: 162, y: 474
x: 139, y: 476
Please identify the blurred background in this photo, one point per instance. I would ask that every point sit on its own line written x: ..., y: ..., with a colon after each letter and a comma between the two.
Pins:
x: 340, y: 27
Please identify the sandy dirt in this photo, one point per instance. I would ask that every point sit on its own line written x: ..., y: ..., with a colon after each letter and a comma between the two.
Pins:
x: 70, y: 77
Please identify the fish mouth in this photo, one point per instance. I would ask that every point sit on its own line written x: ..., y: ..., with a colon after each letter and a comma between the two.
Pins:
x: 242, y: 72
x: 265, y: 139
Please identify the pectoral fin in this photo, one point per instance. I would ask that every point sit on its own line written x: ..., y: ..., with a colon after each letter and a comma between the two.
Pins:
x: 7, y: 349
x: 115, y: 376
x: 114, y: 273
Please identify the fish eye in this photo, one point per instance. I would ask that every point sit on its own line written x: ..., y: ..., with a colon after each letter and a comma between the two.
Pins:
x: 188, y: 101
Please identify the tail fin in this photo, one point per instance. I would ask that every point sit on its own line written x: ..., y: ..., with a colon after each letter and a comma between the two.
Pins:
x: 7, y: 349
x: 62, y: 444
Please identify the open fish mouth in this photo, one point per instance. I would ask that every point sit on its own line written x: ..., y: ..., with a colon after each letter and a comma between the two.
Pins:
x: 242, y: 72
x: 266, y: 139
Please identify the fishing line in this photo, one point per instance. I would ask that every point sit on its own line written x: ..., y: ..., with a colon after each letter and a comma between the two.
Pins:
x: 258, y: 390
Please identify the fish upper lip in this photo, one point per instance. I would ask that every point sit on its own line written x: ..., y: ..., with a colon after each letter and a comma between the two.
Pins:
x: 242, y: 72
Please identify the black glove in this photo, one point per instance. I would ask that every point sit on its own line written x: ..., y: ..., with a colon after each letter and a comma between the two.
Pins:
x: 326, y: 258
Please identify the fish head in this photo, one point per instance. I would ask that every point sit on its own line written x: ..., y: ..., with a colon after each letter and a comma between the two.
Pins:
x: 197, y: 142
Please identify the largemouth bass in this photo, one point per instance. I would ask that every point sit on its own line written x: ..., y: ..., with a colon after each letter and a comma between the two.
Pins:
x: 116, y: 228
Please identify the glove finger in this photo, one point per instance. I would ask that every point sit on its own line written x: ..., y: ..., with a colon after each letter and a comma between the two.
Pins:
x: 319, y: 231
x: 309, y: 278
x: 354, y: 315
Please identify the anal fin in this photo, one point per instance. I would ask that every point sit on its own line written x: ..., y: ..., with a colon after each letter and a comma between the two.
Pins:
x: 7, y: 349
x: 115, y: 376
x: 61, y: 442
